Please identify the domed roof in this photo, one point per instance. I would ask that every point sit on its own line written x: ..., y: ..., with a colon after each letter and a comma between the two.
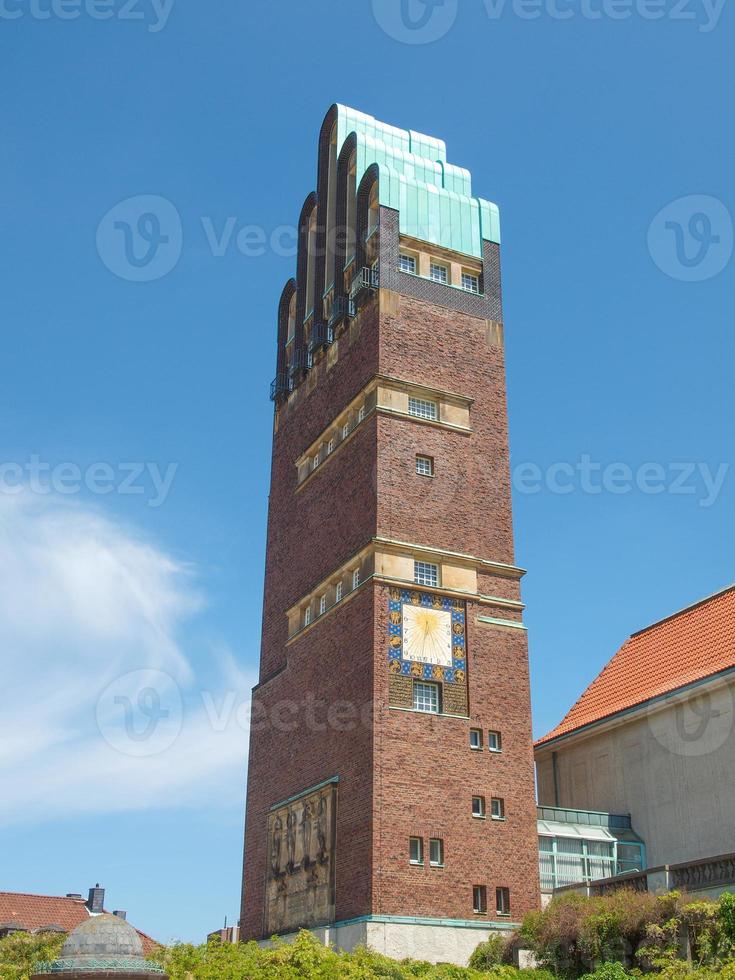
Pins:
x: 102, y: 944
x: 103, y: 936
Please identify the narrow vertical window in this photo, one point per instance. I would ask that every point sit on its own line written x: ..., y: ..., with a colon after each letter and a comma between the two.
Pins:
x: 322, y: 605
x: 338, y: 592
x: 307, y: 615
x: 494, y: 742
x: 479, y: 899
x: 478, y: 806
x: 497, y: 808
x: 415, y: 850
x: 330, y: 447
x: 345, y: 430
x: 436, y: 852
x: 355, y: 578
x: 361, y: 413
x: 502, y: 901
x: 475, y: 738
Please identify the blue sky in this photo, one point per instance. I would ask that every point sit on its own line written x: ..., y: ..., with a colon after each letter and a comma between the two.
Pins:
x: 134, y: 417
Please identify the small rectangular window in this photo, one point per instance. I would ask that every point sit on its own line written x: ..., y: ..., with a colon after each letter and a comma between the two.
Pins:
x: 502, y: 901
x: 470, y: 282
x: 478, y: 806
x: 338, y: 592
x: 494, y: 741
x: 322, y: 605
x: 438, y: 272
x: 425, y: 573
x: 424, y: 466
x: 497, y: 808
x: 436, y: 852
x: 415, y: 850
x: 330, y: 447
x: 407, y: 263
x: 361, y: 413
x: 355, y: 578
x: 307, y: 615
x: 315, y: 462
x: 426, y: 697
x: 479, y: 899
x: 345, y: 430
x: 422, y: 408
x: 475, y: 738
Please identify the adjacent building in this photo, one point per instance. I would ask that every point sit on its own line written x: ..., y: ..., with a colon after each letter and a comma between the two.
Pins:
x: 390, y: 786
x: 653, y: 737
x: 21, y: 912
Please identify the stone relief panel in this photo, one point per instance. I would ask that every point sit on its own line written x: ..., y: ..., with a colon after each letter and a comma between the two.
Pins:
x: 301, y: 862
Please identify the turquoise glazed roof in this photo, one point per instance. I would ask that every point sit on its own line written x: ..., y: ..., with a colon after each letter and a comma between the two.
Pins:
x: 433, y: 197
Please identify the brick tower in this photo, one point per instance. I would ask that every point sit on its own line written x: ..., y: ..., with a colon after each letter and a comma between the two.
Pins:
x: 390, y: 786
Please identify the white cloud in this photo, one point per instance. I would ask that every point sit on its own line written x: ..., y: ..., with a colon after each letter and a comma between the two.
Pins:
x: 102, y: 709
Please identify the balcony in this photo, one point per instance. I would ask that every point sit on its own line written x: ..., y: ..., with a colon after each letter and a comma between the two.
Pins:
x: 366, y: 280
x: 300, y: 364
x: 280, y: 386
x: 342, y: 308
x: 322, y: 335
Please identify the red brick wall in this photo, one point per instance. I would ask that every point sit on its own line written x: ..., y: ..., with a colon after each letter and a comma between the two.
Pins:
x: 412, y: 774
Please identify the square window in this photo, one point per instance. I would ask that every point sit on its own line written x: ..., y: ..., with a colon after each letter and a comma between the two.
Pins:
x: 415, y: 850
x: 438, y: 272
x: 502, y: 901
x: 424, y: 573
x: 424, y: 466
x: 422, y: 408
x: 470, y: 282
x: 307, y: 615
x: 322, y: 605
x: 338, y: 592
x: 475, y: 738
x: 361, y: 413
x: 426, y: 697
x: 478, y: 806
x: 479, y: 899
x: 497, y: 808
x: 355, y: 578
x: 407, y: 263
x: 494, y: 741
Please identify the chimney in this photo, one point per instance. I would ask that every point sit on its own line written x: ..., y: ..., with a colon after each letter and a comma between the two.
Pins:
x: 96, y: 900
x: 120, y: 914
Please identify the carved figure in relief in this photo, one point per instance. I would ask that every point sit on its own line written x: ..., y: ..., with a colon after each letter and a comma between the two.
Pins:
x: 291, y: 840
x: 321, y: 829
x: 305, y: 827
x: 276, y: 847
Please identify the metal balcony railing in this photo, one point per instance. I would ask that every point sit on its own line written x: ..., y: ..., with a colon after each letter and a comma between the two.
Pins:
x: 366, y: 279
x: 280, y: 386
x: 322, y: 335
x: 343, y: 307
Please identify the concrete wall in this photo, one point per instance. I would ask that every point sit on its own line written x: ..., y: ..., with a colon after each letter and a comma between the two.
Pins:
x: 671, y: 766
x: 433, y: 942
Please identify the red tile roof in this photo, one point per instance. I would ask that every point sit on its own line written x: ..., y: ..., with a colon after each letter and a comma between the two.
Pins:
x: 39, y: 911
x: 688, y: 646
